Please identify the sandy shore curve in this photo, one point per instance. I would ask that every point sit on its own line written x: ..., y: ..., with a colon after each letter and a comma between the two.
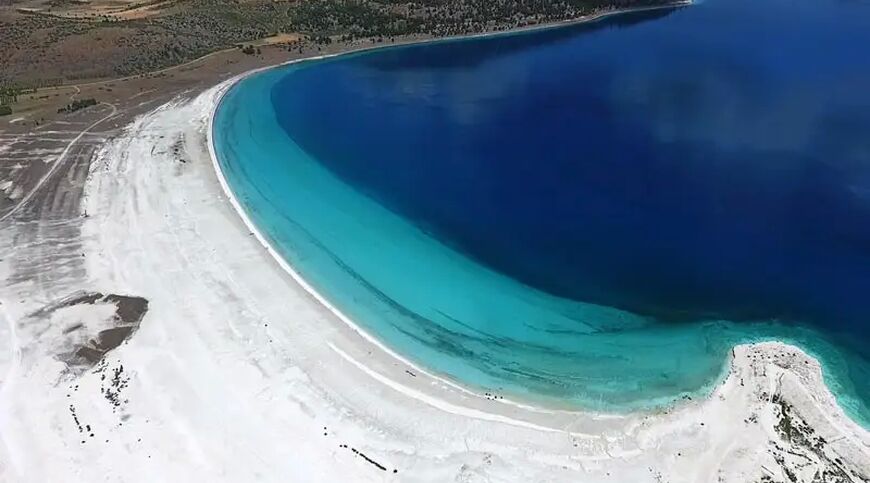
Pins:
x: 398, y: 416
x: 240, y: 373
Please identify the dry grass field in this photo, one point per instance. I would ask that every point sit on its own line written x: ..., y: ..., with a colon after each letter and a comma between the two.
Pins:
x: 51, y: 42
x: 89, y: 9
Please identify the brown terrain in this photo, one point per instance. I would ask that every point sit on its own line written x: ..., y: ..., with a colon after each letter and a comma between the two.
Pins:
x: 50, y: 42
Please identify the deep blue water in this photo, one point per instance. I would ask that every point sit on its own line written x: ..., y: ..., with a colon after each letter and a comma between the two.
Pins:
x: 669, y: 182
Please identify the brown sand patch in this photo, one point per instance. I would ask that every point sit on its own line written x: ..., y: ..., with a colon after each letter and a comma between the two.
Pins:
x: 94, y: 9
x: 144, y: 11
x: 282, y: 38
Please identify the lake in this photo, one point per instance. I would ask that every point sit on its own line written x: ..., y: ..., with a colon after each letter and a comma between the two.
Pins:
x: 588, y: 216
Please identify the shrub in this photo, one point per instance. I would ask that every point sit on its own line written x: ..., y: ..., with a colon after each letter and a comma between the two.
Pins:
x: 76, y: 105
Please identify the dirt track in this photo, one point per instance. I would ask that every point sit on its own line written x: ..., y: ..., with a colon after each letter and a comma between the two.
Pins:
x: 45, y: 158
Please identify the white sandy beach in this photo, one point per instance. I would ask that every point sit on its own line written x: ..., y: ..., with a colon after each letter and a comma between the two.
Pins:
x: 238, y: 373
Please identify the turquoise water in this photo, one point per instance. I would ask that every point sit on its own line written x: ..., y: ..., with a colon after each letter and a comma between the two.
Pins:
x: 498, y: 210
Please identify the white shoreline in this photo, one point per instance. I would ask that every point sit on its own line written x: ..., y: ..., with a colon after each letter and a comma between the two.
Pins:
x: 238, y: 373
x: 225, y: 87
x: 222, y: 89
x: 444, y: 405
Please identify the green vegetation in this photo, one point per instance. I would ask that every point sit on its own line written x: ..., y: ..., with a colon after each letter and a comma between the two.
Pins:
x: 351, y: 19
x: 77, y: 105
x: 38, y: 45
x: 9, y: 93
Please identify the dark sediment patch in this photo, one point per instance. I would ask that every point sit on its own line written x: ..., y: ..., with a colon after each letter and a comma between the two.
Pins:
x: 807, y: 444
x: 128, y: 314
x: 129, y: 311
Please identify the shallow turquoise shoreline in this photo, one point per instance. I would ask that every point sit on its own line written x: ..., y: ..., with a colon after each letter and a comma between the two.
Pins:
x: 343, y: 242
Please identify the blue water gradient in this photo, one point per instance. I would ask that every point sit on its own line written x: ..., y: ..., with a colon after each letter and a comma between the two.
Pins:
x: 585, y: 216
